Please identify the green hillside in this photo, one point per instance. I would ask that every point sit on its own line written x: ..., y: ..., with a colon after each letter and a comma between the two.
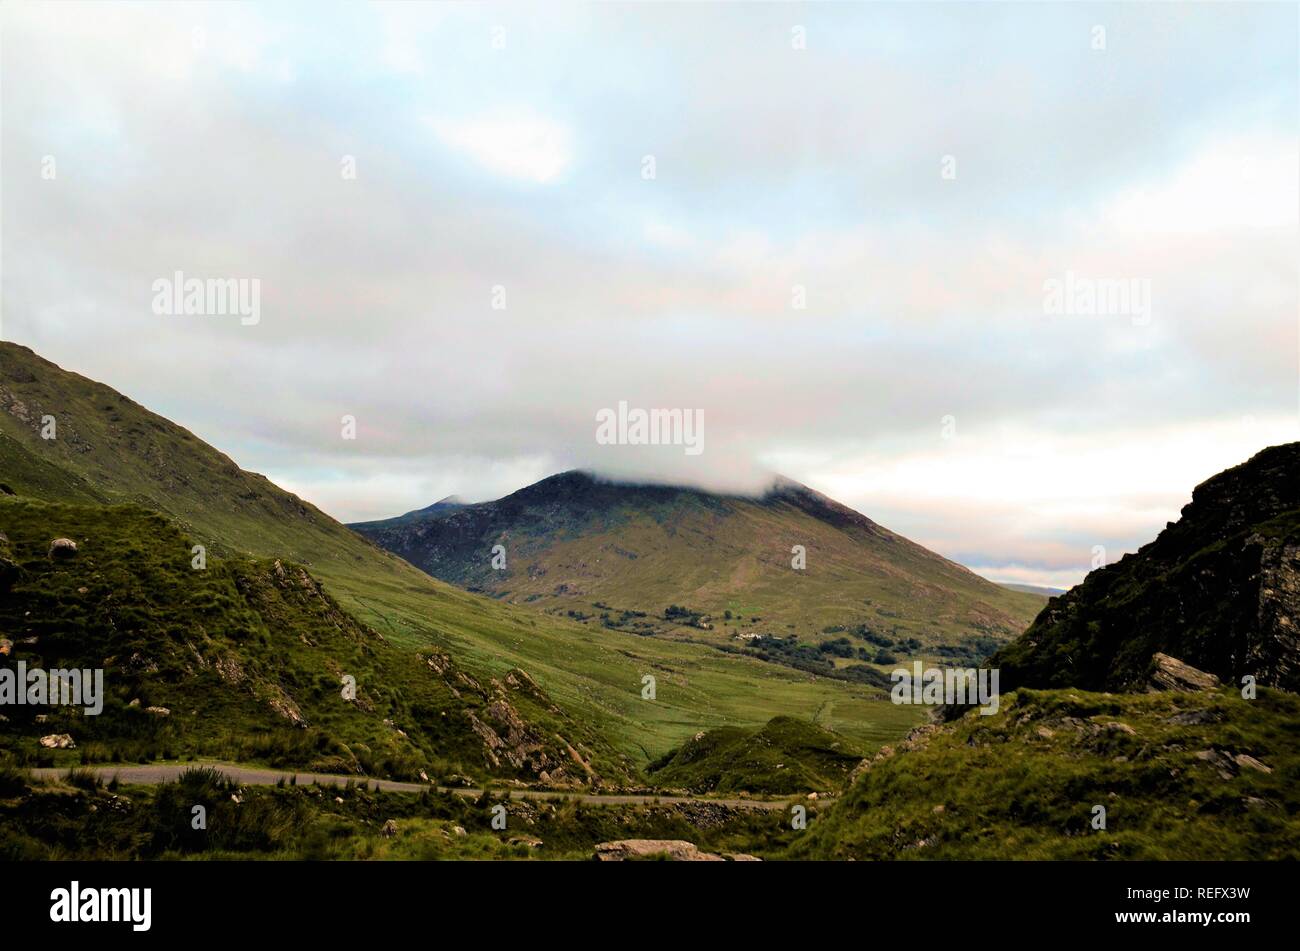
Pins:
x: 110, y: 450
x: 622, y: 555
x: 785, y: 756
x: 1180, y: 775
x: 244, y: 660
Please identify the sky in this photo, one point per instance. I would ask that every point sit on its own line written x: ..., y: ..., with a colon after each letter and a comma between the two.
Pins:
x: 859, y: 240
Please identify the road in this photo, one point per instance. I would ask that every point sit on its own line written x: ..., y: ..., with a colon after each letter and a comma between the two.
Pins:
x: 256, y: 776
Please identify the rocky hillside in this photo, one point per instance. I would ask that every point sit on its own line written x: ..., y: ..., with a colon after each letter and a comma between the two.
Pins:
x: 1219, y: 589
x: 623, y: 555
x: 1180, y: 775
x: 246, y: 661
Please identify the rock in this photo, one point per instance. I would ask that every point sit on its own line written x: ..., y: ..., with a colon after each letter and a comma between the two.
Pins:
x: 1249, y: 762
x: 158, y: 711
x: 1170, y: 673
x: 459, y: 830
x: 58, y: 741
x: 1225, y: 764
x: 740, y: 857
x: 424, y: 777
x: 1045, y: 733
x: 1116, y: 727
x: 6, y: 646
x: 63, y: 548
x: 812, y: 795
x: 1195, y: 718
x: 531, y: 841
x: 675, y: 850
x: 389, y: 829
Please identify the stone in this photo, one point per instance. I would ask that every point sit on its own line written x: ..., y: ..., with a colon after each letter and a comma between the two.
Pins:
x: 1170, y: 673
x: 1249, y: 762
x: 63, y: 548
x: 58, y: 741
x: 675, y: 850
x: 389, y: 829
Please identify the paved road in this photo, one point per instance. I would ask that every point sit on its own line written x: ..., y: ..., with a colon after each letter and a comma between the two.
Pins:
x: 255, y: 776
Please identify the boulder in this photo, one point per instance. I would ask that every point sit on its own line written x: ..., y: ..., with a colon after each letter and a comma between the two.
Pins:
x: 675, y: 850
x: 63, y: 548
x: 1170, y: 673
x: 58, y: 741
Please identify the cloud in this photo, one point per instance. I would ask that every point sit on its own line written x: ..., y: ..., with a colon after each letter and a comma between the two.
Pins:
x: 783, y: 177
x: 528, y: 148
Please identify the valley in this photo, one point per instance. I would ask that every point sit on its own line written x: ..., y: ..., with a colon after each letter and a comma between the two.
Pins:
x: 650, y: 673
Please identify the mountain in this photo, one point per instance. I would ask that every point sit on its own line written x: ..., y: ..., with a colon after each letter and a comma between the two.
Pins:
x: 1219, y: 589
x: 109, y: 451
x: 581, y: 546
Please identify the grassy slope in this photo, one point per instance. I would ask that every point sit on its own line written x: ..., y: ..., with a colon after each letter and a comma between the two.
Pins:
x: 1022, y: 783
x: 110, y: 449
x: 575, y: 543
x: 784, y: 756
x: 248, y: 656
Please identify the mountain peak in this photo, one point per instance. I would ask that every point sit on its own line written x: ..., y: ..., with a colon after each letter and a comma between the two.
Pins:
x: 789, y: 558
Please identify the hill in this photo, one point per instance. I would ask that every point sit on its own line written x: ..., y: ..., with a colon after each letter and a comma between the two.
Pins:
x: 1218, y: 589
x: 695, y: 565
x: 1180, y: 776
x: 245, y: 660
x: 785, y: 756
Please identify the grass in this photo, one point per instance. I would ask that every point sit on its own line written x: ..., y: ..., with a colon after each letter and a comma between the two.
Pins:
x: 59, y: 820
x: 248, y: 658
x: 783, y: 757
x: 1023, y: 783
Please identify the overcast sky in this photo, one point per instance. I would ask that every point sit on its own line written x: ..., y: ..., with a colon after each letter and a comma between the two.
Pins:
x: 921, y: 172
